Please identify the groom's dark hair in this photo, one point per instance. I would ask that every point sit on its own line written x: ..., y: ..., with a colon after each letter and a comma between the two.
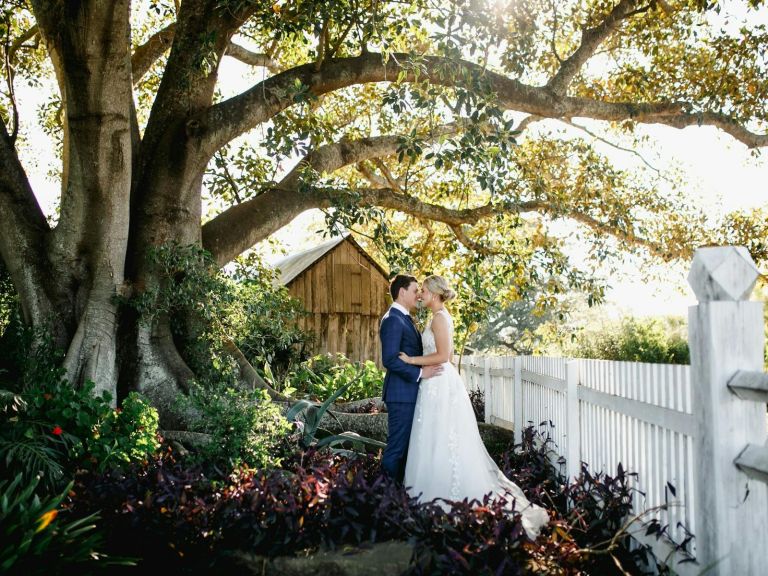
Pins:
x: 400, y: 281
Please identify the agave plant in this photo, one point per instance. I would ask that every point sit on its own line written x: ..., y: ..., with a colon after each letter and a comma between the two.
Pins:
x: 311, y: 413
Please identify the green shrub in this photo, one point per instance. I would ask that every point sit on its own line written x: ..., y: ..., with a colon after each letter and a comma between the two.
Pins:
x: 56, y: 428
x: 126, y: 434
x: 322, y: 375
x: 635, y: 340
x: 246, y: 427
x: 38, y: 540
x: 263, y: 318
x: 208, y: 306
x: 62, y: 429
x: 24, y: 449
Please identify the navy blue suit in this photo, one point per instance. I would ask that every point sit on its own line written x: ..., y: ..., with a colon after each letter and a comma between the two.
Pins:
x: 401, y: 386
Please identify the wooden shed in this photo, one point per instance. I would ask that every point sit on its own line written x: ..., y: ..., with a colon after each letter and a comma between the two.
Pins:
x: 346, y: 293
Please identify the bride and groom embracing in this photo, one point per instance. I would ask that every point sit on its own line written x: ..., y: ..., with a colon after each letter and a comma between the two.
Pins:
x: 433, y: 445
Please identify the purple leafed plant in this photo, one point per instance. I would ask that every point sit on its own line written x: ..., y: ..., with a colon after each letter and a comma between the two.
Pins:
x: 169, y: 514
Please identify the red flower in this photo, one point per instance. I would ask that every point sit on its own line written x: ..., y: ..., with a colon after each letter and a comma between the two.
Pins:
x: 57, y: 431
x: 47, y: 396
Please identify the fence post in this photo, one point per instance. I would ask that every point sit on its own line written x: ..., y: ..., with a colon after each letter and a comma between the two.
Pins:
x: 517, y: 399
x: 487, y: 391
x: 572, y: 419
x: 725, y: 334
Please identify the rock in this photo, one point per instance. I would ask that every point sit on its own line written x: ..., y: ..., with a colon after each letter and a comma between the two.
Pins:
x: 496, y: 434
x: 376, y: 559
x: 496, y: 438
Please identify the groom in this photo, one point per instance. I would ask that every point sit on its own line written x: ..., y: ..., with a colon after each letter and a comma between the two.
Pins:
x: 401, y: 384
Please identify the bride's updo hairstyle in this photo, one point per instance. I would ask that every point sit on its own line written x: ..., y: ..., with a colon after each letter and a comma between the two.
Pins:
x: 438, y: 285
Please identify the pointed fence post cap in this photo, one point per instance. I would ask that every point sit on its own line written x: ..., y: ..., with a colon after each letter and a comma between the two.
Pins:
x: 722, y: 273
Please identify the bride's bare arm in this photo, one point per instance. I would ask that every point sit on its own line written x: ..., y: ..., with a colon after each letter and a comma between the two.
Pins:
x: 442, y: 340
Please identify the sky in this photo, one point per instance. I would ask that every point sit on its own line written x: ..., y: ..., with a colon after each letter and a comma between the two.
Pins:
x: 722, y: 174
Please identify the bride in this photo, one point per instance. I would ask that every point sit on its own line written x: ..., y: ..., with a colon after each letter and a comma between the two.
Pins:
x: 446, y: 456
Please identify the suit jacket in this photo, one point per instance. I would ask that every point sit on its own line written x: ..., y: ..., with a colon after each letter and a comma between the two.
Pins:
x: 399, y: 334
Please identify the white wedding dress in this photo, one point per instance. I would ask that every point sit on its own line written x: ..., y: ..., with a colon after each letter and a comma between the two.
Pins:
x: 446, y: 456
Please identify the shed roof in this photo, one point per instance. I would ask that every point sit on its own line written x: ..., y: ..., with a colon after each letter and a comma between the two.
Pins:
x: 292, y: 266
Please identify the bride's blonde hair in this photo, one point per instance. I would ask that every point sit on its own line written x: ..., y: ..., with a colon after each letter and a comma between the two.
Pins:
x: 438, y: 285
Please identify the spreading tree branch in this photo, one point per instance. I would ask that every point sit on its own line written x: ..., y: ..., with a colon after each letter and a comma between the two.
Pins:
x: 373, y: 178
x: 340, y: 40
x: 331, y: 157
x: 387, y: 198
x: 461, y: 236
x: 8, y: 69
x: 322, y: 44
x: 612, y: 144
x: 226, y: 120
x: 219, y: 236
x: 241, y: 226
x: 19, y: 42
x: 553, y: 39
x: 591, y: 38
x: 232, y: 183
x: 527, y: 121
x: 392, y: 200
x: 245, y: 224
x: 251, y: 58
x: 20, y: 208
x: 146, y: 55
x: 9, y: 57
x: 393, y: 182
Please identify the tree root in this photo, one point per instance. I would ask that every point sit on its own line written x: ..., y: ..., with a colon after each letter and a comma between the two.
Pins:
x: 248, y: 373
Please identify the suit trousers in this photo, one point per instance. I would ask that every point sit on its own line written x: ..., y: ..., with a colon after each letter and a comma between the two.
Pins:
x: 399, y: 422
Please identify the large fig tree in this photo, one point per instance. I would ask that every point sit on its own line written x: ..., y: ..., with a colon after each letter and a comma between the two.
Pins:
x: 465, y: 126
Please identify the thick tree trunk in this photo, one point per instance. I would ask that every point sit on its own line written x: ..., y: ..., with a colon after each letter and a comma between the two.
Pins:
x: 166, y: 202
x: 68, y: 277
x: 22, y: 244
x: 90, y: 47
x: 161, y: 374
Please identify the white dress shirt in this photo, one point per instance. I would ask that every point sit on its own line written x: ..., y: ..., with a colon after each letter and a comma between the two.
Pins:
x: 398, y: 306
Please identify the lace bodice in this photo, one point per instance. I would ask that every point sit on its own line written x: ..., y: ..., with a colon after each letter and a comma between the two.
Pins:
x: 428, y: 337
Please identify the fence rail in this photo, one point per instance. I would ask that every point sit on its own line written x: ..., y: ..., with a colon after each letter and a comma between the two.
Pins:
x: 608, y: 423
x: 695, y: 435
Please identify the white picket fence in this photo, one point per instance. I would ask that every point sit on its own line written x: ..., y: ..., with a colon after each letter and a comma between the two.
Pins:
x: 634, y: 414
x: 696, y: 435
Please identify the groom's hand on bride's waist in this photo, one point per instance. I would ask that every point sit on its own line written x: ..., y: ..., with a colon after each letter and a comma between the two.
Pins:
x: 430, y: 371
